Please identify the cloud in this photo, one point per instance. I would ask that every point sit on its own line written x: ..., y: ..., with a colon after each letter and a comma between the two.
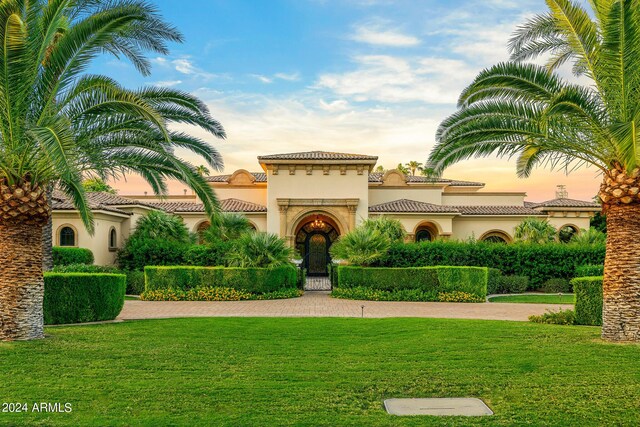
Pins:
x: 334, y: 106
x: 292, y: 77
x: 168, y: 83
x: 393, y: 79
x: 373, y: 34
x: 263, y: 79
x: 185, y: 66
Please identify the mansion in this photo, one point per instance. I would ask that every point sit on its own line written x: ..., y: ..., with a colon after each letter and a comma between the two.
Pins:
x: 312, y: 198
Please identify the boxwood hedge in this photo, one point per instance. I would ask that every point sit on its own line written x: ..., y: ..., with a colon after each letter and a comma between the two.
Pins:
x: 430, y: 280
x: 538, y: 262
x: 588, y: 307
x: 254, y: 280
x: 67, y: 256
x: 82, y: 297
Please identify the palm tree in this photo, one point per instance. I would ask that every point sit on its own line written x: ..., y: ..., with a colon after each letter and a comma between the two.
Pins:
x: 202, y: 170
x: 402, y: 169
x: 98, y: 185
x: 59, y: 125
x: 260, y: 250
x: 362, y: 247
x: 529, y: 111
x: 380, y: 169
x: 414, y: 166
x: 535, y: 231
x: 227, y: 226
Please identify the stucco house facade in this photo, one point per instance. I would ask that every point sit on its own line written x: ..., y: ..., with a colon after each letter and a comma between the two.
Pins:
x: 312, y: 198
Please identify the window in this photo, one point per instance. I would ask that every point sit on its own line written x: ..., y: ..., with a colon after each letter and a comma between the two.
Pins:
x: 113, y: 239
x: 566, y: 233
x: 424, y: 236
x: 495, y: 237
x: 67, y: 236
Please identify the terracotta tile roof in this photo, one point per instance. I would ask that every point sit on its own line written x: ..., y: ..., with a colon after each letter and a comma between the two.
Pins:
x: 260, y: 177
x: 317, y: 155
x: 96, y: 201
x: 497, y: 210
x: 409, y: 206
x: 226, y: 205
x: 564, y: 203
x: 377, y: 177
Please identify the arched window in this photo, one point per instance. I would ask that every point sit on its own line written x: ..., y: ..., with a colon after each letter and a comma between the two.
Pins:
x: 424, y: 235
x: 67, y: 236
x: 113, y: 239
x: 566, y: 233
x: 495, y: 237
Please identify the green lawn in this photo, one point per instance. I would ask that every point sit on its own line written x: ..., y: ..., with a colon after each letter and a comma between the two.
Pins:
x: 536, y: 299
x: 319, y: 372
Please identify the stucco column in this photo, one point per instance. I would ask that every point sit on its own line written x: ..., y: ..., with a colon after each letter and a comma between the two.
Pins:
x: 352, y: 216
x: 283, y: 220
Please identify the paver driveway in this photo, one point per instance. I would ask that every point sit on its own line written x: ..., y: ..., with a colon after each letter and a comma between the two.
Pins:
x: 320, y: 304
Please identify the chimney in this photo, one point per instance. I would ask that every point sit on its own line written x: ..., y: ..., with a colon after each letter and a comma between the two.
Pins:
x: 561, y: 192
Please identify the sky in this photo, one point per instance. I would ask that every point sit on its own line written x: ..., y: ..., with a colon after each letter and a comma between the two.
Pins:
x: 361, y: 76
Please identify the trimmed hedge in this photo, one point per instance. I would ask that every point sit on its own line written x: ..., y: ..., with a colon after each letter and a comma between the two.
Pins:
x: 82, y: 297
x: 589, y: 270
x: 211, y: 255
x: 538, y: 262
x: 588, y: 307
x: 135, y: 279
x: 556, y: 285
x: 430, y: 280
x: 511, y: 284
x: 68, y: 256
x: 254, y: 280
x: 138, y: 253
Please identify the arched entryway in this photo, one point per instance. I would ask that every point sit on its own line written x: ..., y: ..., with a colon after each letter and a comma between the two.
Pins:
x: 314, y: 237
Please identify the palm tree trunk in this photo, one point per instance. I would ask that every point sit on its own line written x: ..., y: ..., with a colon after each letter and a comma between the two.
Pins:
x: 21, y: 281
x: 47, y: 237
x: 620, y: 195
x: 621, y: 287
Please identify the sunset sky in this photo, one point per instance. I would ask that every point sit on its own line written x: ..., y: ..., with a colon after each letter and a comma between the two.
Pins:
x: 362, y: 76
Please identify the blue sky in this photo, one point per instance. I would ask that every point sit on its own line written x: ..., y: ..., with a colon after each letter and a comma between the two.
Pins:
x: 367, y: 76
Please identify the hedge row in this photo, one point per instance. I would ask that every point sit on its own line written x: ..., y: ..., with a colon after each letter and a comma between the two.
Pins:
x: 135, y: 279
x: 430, y: 280
x: 139, y: 253
x: 82, y: 297
x: 253, y: 280
x: 588, y: 307
x: 538, y: 262
x: 67, y: 256
x: 589, y: 270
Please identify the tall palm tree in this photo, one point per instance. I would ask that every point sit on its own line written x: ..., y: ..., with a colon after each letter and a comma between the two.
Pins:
x: 203, y: 170
x: 58, y: 125
x: 414, y: 166
x: 529, y: 111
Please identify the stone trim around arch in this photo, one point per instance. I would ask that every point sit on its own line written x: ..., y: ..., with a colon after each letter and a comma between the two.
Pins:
x: 497, y: 233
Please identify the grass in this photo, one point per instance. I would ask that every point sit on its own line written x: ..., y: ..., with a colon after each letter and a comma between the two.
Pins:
x: 319, y: 372
x: 536, y: 299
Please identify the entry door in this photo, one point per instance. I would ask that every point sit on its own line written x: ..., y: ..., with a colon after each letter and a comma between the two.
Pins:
x: 317, y: 255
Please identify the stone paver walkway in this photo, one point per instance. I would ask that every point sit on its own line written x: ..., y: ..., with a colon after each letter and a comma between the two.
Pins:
x: 320, y: 304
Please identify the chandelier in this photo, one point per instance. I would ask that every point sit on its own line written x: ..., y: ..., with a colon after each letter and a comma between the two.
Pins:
x: 317, y: 224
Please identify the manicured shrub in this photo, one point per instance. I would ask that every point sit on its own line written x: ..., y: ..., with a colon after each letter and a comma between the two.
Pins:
x: 588, y: 307
x: 560, y: 317
x: 82, y: 297
x: 457, y: 296
x: 556, y: 285
x: 369, y: 294
x: 209, y: 255
x: 589, y: 270
x: 138, y: 253
x: 429, y: 280
x: 85, y: 268
x: 493, y: 275
x: 253, y: 280
x: 302, y: 277
x: 215, y: 294
x: 67, y: 256
x: 511, y: 284
x: 538, y: 262
x: 135, y: 282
